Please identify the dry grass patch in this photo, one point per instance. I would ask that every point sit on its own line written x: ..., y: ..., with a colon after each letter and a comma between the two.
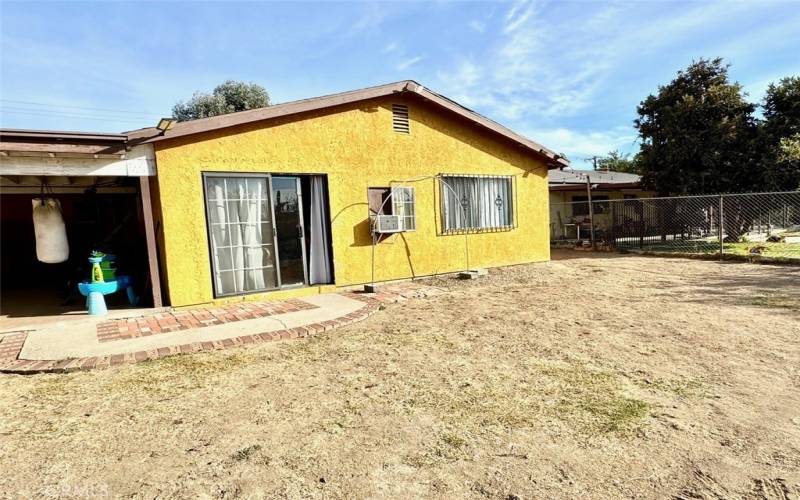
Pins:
x: 775, y: 301
x: 167, y: 376
x: 649, y: 379
x: 681, y: 387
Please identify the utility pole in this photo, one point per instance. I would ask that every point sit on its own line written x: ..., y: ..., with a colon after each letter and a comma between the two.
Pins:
x: 593, y: 159
x: 591, y: 211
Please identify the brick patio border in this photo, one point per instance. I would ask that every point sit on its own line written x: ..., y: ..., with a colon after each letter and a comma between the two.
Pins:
x: 11, y: 345
x: 174, y: 321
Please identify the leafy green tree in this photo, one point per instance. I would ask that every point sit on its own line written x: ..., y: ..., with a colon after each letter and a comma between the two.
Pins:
x: 617, y: 162
x: 229, y: 97
x: 780, y: 134
x: 697, y: 134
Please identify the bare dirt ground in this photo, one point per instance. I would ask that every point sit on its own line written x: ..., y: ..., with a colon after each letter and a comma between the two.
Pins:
x: 589, y: 376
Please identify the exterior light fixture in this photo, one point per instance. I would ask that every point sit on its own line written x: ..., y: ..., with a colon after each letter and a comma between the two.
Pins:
x: 165, y: 124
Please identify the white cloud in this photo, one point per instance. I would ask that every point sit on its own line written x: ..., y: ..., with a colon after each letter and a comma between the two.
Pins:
x: 465, y: 75
x: 551, y: 61
x: 371, y: 19
x: 476, y: 25
x: 407, y: 63
x: 578, y: 145
x: 517, y: 15
x: 757, y: 90
x: 390, y: 48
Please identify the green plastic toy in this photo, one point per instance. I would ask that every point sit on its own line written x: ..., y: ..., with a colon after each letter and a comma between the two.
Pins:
x: 97, y: 271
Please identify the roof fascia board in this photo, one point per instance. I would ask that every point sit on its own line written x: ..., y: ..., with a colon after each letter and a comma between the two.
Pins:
x: 487, y: 123
x: 316, y: 103
x: 7, y: 133
x: 273, y: 111
x: 595, y: 187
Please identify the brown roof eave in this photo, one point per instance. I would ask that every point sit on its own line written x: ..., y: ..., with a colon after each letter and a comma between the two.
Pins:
x: 575, y: 186
x: 556, y: 161
x: 63, y: 135
x: 316, y: 103
x: 274, y: 111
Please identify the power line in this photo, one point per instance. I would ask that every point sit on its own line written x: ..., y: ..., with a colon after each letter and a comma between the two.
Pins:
x: 67, y: 115
x: 82, y: 107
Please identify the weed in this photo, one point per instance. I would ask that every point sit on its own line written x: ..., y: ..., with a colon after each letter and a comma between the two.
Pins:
x: 775, y: 301
x: 246, y: 453
x: 683, y: 388
x: 165, y: 375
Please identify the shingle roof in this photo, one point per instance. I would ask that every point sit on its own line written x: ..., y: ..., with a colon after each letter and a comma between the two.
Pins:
x: 408, y: 87
x: 569, y: 176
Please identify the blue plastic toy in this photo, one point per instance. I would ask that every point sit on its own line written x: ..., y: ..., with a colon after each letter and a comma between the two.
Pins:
x: 94, y: 291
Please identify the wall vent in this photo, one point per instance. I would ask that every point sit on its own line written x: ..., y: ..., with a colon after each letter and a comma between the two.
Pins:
x: 400, y: 118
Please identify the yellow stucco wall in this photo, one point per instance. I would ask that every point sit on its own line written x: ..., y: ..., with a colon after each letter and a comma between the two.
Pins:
x: 357, y: 148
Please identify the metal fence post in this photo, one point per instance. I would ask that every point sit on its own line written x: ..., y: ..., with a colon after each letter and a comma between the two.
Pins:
x: 641, y: 225
x: 720, y: 228
x: 613, y: 235
x: 785, y: 216
x: 591, y: 212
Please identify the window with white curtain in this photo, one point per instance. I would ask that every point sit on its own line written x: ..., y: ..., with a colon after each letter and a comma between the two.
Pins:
x: 241, y: 231
x: 477, y: 202
x: 403, y: 206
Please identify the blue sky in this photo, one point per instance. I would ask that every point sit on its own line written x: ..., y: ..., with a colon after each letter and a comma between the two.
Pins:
x: 566, y: 74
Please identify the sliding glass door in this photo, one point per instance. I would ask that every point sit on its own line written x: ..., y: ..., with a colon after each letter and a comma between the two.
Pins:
x: 255, y: 227
x: 242, y: 234
x: 288, y: 208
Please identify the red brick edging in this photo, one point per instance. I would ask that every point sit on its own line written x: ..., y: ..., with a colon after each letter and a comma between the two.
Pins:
x: 11, y: 345
x: 174, y: 321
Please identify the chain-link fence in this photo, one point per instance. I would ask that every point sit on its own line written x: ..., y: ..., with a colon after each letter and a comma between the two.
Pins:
x: 755, y: 225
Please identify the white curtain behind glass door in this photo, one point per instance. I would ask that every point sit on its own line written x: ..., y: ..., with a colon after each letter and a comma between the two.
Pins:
x: 319, y: 261
x: 241, y: 234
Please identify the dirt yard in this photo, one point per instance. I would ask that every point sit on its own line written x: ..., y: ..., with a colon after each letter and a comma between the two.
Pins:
x: 604, y: 377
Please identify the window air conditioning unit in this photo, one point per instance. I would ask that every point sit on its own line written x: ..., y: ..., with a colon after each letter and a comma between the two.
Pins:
x: 388, y: 224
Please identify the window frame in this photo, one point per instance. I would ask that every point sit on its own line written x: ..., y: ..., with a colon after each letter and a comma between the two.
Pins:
x: 384, y: 208
x: 211, y: 253
x: 390, y: 206
x: 405, y: 202
x: 444, y: 192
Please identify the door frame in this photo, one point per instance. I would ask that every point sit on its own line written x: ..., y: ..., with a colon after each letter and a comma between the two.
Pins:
x: 302, y: 229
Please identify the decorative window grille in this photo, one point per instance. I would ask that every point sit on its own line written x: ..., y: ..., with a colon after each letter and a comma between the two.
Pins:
x: 477, y: 202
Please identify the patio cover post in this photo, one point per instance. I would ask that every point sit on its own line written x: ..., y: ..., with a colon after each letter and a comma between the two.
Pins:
x: 150, y: 235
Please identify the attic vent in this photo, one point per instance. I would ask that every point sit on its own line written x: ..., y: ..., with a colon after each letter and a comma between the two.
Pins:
x: 400, y: 118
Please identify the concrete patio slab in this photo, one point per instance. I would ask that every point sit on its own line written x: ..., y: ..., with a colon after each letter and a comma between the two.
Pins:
x: 77, y: 342
x: 71, y: 344
x: 85, y: 344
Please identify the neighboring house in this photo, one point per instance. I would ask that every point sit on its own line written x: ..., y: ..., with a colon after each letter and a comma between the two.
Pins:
x: 569, y: 210
x: 280, y: 201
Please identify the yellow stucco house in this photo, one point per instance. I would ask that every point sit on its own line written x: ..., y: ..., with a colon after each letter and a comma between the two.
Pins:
x: 384, y: 183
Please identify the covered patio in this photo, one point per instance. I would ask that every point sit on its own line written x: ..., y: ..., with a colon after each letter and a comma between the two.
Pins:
x: 102, y: 184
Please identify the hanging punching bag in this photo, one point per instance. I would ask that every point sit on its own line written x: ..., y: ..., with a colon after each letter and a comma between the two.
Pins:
x: 51, y: 234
